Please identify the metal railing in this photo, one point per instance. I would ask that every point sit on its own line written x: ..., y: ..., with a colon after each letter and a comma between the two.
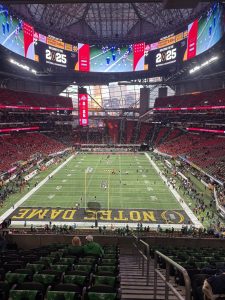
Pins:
x: 143, y: 256
x: 166, y: 278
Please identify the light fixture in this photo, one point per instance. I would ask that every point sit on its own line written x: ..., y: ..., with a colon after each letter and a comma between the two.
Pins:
x: 24, y: 67
x: 204, y: 64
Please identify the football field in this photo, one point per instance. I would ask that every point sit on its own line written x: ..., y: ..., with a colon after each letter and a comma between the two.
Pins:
x: 120, y: 188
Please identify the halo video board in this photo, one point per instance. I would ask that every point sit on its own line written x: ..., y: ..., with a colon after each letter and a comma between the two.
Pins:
x: 196, y: 38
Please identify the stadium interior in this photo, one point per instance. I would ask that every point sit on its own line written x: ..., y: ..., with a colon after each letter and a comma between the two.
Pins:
x: 112, y: 149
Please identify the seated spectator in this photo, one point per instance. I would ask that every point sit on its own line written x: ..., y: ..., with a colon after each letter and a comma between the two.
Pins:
x: 214, y: 287
x: 76, y: 247
x: 92, y: 248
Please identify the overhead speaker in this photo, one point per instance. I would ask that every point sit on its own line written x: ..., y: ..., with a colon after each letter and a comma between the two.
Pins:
x: 162, y: 92
x: 180, y: 4
x: 82, y: 90
x: 144, y: 100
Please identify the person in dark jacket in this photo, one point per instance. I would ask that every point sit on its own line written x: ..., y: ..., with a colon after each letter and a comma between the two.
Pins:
x: 76, y: 247
x: 92, y: 248
x: 214, y: 285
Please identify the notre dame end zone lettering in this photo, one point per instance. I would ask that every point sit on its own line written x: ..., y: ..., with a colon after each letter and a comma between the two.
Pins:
x: 103, y: 215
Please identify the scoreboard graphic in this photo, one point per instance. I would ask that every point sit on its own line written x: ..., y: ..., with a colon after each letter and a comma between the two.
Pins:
x: 196, y: 38
x: 168, y: 51
x: 49, y: 55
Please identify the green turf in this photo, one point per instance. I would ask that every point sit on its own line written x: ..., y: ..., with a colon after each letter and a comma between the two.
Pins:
x: 142, y: 189
x: 12, y: 199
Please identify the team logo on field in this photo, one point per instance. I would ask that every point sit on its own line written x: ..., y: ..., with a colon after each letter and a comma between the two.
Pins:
x: 102, y: 215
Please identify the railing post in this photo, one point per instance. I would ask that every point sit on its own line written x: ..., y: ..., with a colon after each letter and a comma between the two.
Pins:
x: 187, y: 286
x: 148, y: 263
x: 167, y: 280
x: 155, y: 275
x: 143, y: 266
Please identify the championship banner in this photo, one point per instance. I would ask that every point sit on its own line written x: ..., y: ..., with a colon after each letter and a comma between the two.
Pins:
x: 83, y: 109
x: 84, y: 57
x: 139, y: 56
x: 192, y: 39
x: 28, y: 40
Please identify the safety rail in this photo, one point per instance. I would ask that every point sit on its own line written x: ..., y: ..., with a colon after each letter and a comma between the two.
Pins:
x: 143, y: 256
x: 168, y: 286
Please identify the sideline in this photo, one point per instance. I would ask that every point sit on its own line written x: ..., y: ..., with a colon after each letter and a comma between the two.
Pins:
x: 186, y: 208
x: 31, y: 192
x: 89, y: 225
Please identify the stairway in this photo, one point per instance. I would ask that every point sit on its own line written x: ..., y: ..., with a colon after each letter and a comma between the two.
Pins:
x: 133, y: 284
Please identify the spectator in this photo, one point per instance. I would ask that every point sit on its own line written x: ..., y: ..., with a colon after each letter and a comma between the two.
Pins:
x: 76, y: 247
x: 214, y: 286
x: 2, y: 243
x: 92, y: 248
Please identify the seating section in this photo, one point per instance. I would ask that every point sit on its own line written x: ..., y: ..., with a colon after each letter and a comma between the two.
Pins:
x: 144, y: 131
x: 205, y: 151
x: 209, y: 98
x: 200, y: 264
x: 12, y: 98
x: 130, y: 127
x: 21, y: 146
x: 162, y: 132
x: 53, y: 273
x: 174, y: 133
x: 113, y: 130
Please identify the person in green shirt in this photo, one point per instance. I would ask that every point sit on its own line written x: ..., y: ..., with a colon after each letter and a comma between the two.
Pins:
x: 92, y: 248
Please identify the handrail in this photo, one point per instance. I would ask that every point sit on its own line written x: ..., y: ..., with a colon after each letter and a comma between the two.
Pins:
x: 145, y: 255
x: 166, y: 278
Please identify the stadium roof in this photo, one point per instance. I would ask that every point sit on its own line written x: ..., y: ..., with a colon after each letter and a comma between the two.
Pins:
x: 103, y: 19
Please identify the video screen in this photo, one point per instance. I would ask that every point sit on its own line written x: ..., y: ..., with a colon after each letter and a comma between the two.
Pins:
x: 196, y: 38
x: 210, y: 28
x: 111, y: 58
x: 11, y: 36
x: 206, y: 31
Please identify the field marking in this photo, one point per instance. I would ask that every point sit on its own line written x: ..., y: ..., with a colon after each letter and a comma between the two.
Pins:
x: 64, y: 180
x: 90, y: 178
x: 120, y: 182
x: 8, y: 37
x: 185, y: 207
x: 68, y: 175
x: 51, y: 196
x: 99, y: 55
x: 150, y: 189
x: 31, y: 192
x: 58, y: 188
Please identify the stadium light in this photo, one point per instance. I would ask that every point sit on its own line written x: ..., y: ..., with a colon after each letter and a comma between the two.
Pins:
x: 206, y: 63
x: 24, y: 67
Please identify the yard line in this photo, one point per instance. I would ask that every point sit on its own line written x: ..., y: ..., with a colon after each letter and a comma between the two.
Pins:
x: 121, y: 205
x: 99, y: 54
x: 8, y: 37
